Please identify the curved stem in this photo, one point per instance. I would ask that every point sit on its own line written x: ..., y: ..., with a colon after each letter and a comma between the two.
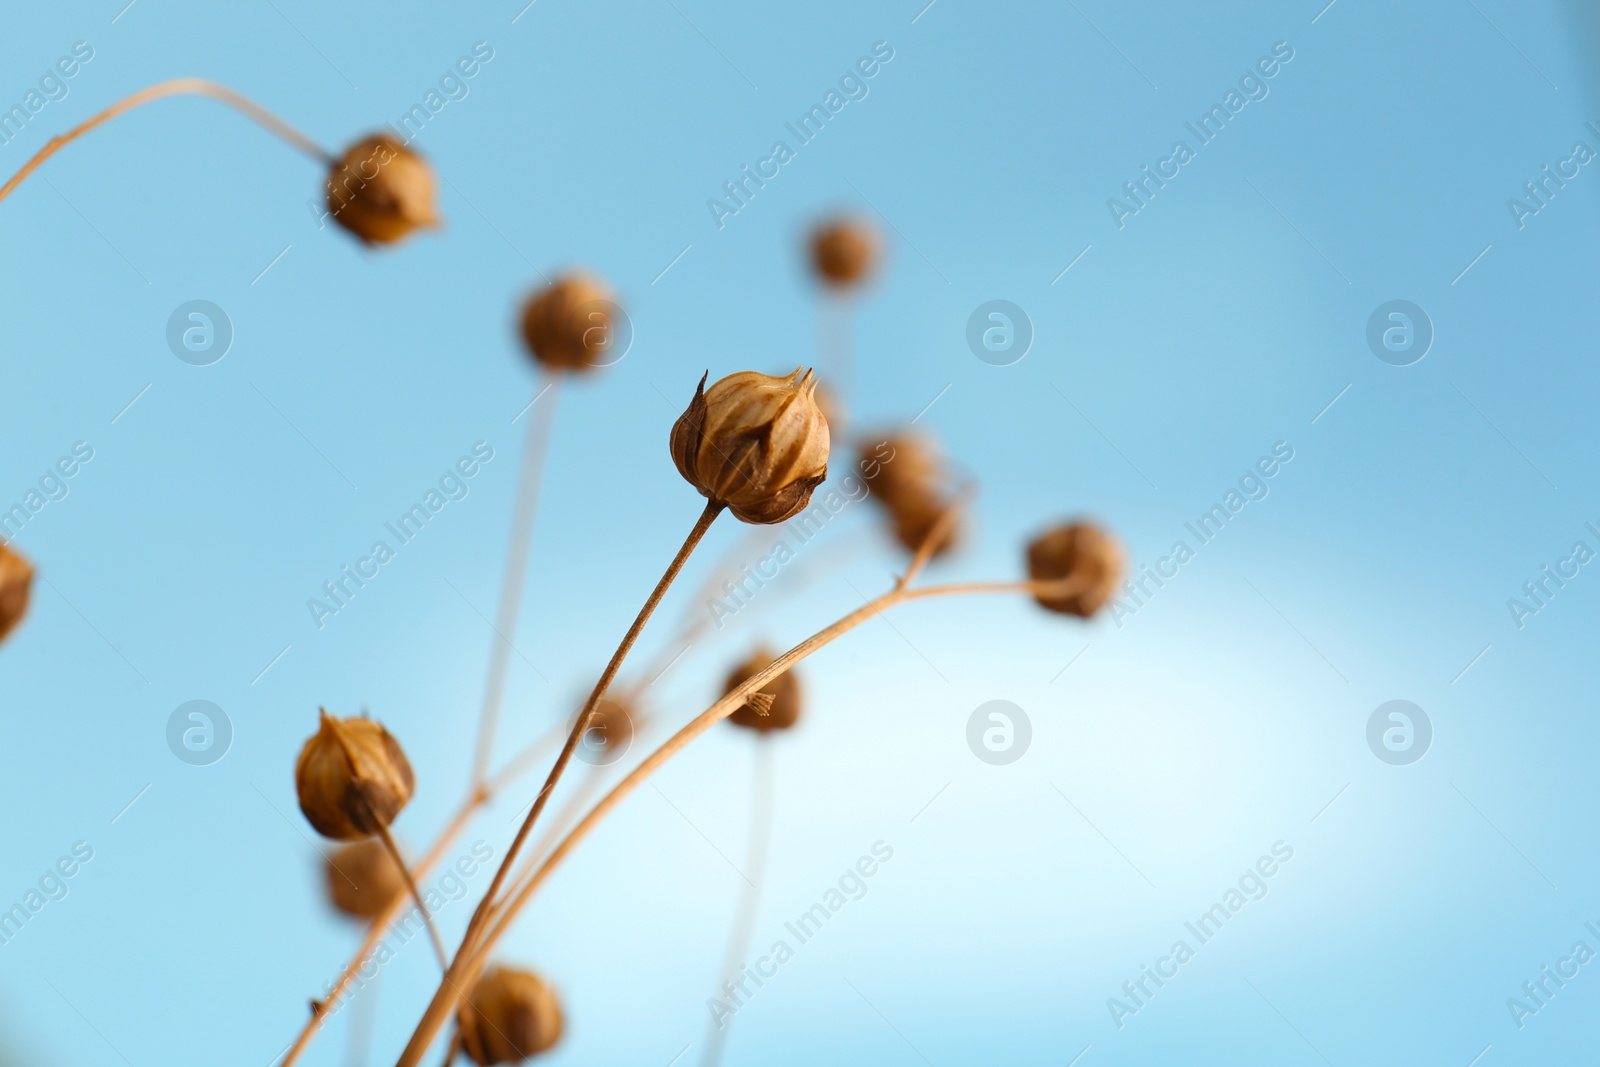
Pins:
x: 175, y: 87
x: 581, y: 724
x: 744, y: 923
x: 411, y: 884
x: 535, y: 444
x: 472, y: 956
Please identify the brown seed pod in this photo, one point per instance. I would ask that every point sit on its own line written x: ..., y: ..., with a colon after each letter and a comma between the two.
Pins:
x: 381, y: 191
x: 510, y: 1016
x: 16, y: 583
x: 363, y: 879
x: 754, y: 443
x: 844, y: 252
x: 908, y: 478
x: 609, y: 734
x: 775, y: 706
x: 1084, y: 553
x: 352, y: 778
x: 567, y: 325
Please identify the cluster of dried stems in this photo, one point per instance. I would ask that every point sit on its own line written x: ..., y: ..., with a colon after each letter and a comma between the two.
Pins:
x: 753, y: 445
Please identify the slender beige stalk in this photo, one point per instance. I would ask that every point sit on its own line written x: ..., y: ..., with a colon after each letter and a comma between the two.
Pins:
x: 468, y: 958
x: 744, y: 922
x: 535, y: 444
x: 580, y: 725
x: 175, y: 87
x: 416, y: 894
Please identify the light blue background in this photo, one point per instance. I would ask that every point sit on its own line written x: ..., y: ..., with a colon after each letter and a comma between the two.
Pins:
x: 1220, y: 719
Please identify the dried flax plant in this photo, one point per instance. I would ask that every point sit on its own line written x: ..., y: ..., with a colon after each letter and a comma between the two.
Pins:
x: 754, y: 445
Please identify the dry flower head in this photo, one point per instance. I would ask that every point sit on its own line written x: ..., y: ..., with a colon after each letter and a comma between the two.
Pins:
x: 1086, y: 556
x: 352, y: 778
x: 381, y: 191
x: 363, y: 879
x: 510, y: 1015
x: 844, y: 252
x: 16, y: 584
x: 567, y: 325
x: 913, y: 486
x: 775, y: 706
x: 755, y: 443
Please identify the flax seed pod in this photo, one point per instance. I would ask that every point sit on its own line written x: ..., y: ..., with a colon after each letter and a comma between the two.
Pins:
x: 569, y: 324
x: 775, y: 706
x: 352, y: 778
x: 844, y: 252
x: 363, y: 879
x: 510, y: 1016
x: 381, y: 191
x: 1084, y: 558
x: 909, y: 480
x: 755, y: 443
x: 16, y: 584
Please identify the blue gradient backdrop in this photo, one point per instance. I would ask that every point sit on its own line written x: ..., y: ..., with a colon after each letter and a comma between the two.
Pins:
x: 1171, y: 747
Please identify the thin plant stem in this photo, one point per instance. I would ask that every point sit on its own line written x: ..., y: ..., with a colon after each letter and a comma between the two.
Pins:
x: 379, y: 925
x: 416, y: 894
x: 358, y: 1044
x: 535, y: 445
x: 175, y: 87
x: 581, y: 724
x: 446, y: 995
x: 744, y: 922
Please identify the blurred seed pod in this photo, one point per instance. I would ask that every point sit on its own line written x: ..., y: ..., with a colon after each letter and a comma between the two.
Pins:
x: 609, y: 734
x: 1083, y: 553
x: 363, y: 879
x: 16, y: 584
x: 755, y: 443
x: 510, y: 1015
x: 844, y: 252
x: 908, y: 477
x: 381, y: 191
x: 352, y: 778
x: 568, y: 324
x: 775, y: 706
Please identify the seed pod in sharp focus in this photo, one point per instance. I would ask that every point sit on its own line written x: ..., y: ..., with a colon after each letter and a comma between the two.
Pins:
x: 16, y: 584
x: 352, y: 778
x: 907, y: 476
x: 510, y: 1016
x: 775, y: 706
x: 755, y: 443
x: 844, y: 252
x: 381, y: 191
x: 567, y: 325
x: 1088, y: 557
x: 363, y: 879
